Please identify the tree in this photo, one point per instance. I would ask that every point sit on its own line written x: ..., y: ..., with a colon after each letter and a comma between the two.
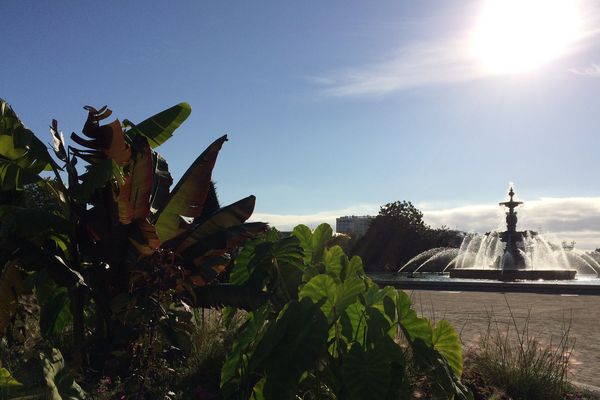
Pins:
x: 399, y: 233
x: 403, y: 212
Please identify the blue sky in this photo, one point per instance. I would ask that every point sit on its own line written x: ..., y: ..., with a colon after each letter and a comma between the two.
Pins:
x: 331, y: 107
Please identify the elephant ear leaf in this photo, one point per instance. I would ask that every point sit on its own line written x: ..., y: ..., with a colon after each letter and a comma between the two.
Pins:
x: 160, y: 127
x: 366, y: 373
x: 446, y: 341
x: 189, y: 195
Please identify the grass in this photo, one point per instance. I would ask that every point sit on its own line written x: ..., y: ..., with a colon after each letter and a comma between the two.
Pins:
x: 511, y: 362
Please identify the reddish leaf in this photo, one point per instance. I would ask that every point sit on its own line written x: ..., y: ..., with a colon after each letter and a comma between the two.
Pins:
x: 134, y: 196
x: 189, y: 195
x: 224, y: 219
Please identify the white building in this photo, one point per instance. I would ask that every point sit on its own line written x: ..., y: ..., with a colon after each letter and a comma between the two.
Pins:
x: 353, y: 224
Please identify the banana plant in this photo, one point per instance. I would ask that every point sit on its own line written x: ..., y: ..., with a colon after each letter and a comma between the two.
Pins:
x: 122, y: 238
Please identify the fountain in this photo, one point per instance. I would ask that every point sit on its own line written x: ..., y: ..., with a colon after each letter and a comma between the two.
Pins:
x: 507, y: 256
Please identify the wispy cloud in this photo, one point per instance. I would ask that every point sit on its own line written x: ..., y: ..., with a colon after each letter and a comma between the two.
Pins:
x: 570, y: 218
x: 591, y: 71
x: 422, y: 64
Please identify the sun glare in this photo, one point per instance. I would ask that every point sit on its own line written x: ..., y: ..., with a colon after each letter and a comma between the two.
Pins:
x: 520, y: 35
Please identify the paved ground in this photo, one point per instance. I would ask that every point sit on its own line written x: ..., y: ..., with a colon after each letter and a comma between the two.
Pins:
x: 469, y: 312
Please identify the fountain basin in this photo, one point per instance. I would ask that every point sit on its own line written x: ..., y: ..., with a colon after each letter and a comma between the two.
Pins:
x: 514, y: 275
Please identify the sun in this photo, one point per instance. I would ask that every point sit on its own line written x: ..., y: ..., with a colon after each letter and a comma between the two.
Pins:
x: 514, y: 36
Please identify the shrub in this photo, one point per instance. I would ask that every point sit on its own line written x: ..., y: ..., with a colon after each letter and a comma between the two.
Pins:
x: 329, y: 332
x: 511, y: 359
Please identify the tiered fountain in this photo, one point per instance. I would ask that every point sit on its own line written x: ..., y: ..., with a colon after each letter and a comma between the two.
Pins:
x: 509, y: 255
x: 515, y: 261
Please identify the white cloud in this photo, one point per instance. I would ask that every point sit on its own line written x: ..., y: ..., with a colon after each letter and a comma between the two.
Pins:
x: 570, y: 218
x: 286, y: 222
x: 418, y: 65
x: 591, y: 71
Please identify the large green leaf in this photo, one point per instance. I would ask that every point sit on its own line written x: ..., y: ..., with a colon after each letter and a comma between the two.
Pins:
x: 292, y: 345
x: 413, y: 326
x: 334, y: 259
x: 333, y: 297
x: 321, y: 290
x: 353, y: 322
x: 304, y: 235
x: 382, y: 299
x: 446, y: 341
x: 278, y: 263
x: 320, y: 237
x: 189, y: 195
x: 19, y: 144
x: 14, y: 177
x: 55, y: 314
x: 444, y: 382
x: 366, y: 374
x: 160, y: 127
x: 347, y: 293
x: 61, y: 384
x: 353, y: 268
x: 313, y: 243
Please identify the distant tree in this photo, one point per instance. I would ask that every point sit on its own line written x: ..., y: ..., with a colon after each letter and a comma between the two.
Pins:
x: 399, y: 233
x: 404, y: 212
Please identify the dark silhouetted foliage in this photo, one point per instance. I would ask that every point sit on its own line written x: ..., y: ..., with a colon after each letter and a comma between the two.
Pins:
x: 399, y: 233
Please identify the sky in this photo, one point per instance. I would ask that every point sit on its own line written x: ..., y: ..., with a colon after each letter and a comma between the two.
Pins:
x: 336, y: 108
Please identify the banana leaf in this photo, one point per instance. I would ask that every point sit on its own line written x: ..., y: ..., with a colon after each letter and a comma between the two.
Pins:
x: 161, y: 183
x: 224, y: 240
x: 19, y: 144
x: 160, y: 127
x: 58, y: 141
x: 109, y: 142
x: 225, y: 218
x: 189, y: 195
x: 14, y: 177
x: 134, y: 196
